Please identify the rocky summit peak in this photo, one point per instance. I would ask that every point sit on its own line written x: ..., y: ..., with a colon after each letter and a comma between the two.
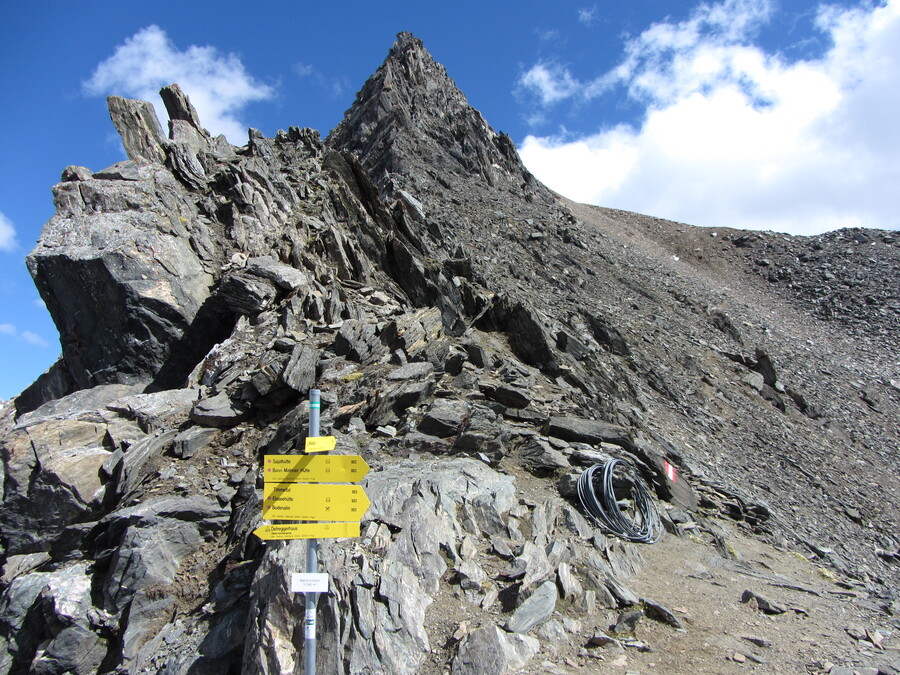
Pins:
x: 411, y: 119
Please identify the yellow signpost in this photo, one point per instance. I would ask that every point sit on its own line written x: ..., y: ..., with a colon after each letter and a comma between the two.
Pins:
x: 314, y: 468
x: 311, y: 501
x: 307, y: 531
x: 320, y: 444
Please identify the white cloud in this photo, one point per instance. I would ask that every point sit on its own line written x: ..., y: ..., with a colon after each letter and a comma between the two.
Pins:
x: 28, y: 336
x: 588, y: 15
x: 218, y: 84
x: 304, y: 69
x: 734, y: 136
x: 7, y: 234
x: 34, y: 339
x: 333, y: 85
x: 551, y: 82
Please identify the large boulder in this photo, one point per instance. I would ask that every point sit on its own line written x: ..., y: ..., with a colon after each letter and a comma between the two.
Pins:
x: 117, y: 272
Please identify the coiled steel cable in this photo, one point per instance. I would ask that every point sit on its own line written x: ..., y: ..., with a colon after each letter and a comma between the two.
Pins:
x: 598, y: 497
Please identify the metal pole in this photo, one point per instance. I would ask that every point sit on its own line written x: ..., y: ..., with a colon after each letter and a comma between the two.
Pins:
x: 312, y: 552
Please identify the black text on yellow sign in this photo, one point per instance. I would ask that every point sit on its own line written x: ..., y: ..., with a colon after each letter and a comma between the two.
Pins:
x: 314, y: 468
x: 320, y: 444
x: 307, y: 531
x: 309, y: 501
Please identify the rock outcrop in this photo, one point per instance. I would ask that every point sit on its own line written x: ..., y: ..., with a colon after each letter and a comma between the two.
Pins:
x: 477, y: 340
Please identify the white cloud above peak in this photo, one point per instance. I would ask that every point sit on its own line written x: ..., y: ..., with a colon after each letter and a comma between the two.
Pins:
x: 732, y: 135
x: 588, y: 15
x: 7, y: 234
x: 218, y: 84
x: 28, y: 336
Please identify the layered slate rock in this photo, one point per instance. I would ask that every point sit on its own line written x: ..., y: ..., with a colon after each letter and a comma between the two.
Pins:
x: 410, y: 90
x: 119, y: 249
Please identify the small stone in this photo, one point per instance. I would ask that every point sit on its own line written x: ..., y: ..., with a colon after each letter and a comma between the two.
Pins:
x: 875, y: 638
x: 467, y: 548
x: 490, y: 650
x: 637, y: 644
x: 552, y: 632
x: 856, y: 632
x: 76, y: 173
x: 219, y: 411
x: 603, y: 640
x: 444, y: 418
x: 627, y: 622
x: 662, y: 614
x: 501, y: 548
x: 758, y: 641
x: 126, y: 170
x: 738, y: 658
x: 761, y: 603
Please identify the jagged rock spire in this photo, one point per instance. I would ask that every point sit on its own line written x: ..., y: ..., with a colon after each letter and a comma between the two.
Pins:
x: 411, y: 117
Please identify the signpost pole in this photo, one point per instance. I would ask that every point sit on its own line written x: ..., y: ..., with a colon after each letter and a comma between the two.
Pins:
x: 312, y: 553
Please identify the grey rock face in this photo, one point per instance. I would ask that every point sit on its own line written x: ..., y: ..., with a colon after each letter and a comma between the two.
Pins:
x: 135, y: 301
x: 538, y: 607
x: 410, y: 84
x: 587, y: 431
x: 490, y: 650
x: 444, y: 418
x: 58, y: 464
x: 139, y: 128
x: 219, y: 411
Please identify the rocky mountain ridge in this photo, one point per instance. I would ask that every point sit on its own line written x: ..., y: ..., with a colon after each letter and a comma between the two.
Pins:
x: 477, y: 339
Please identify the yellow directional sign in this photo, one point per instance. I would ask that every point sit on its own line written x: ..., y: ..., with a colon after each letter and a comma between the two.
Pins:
x: 307, y: 531
x: 320, y: 444
x: 309, y: 501
x: 314, y: 468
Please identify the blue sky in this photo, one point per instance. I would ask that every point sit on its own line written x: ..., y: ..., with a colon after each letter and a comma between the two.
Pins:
x: 742, y: 113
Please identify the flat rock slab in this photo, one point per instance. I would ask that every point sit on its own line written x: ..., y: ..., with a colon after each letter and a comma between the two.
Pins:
x: 445, y: 418
x: 412, y: 371
x: 537, y: 608
x: 761, y: 603
x: 593, y: 432
x: 218, y: 411
x: 490, y: 650
x: 78, y: 403
x: 284, y: 276
x: 147, y: 408
x: 188, y: 442
x: 660, y: 613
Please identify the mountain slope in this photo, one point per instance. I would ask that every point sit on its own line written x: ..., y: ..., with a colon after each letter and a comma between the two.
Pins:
x: 478, y: 341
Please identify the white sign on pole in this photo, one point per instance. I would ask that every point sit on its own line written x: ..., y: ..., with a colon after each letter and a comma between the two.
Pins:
x: 309, y: 582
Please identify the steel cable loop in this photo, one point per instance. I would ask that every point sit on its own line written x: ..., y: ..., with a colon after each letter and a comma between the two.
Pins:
x: 604, y: 509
